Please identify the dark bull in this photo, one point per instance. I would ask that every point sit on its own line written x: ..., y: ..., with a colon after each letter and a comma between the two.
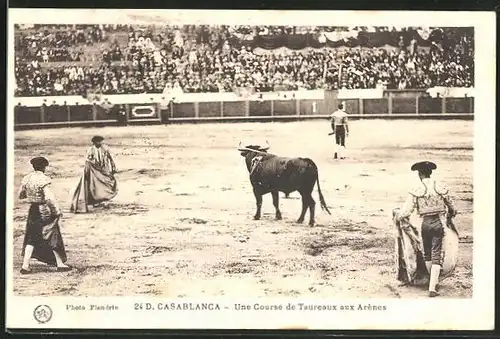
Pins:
x: 270, y: 173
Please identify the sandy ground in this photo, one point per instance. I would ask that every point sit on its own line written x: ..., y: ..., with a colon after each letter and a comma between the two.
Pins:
x: 181, y: 225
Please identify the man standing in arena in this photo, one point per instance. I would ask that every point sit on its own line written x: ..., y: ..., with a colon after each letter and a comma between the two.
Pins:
x: 340, y: 128
x: 121, y: 115
x: 42, y: 240
x: 434, y: 205
x: 97, y: 183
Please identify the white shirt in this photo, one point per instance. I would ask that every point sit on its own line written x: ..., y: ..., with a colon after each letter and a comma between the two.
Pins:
x: 339, y: 117
x: 58, y: 87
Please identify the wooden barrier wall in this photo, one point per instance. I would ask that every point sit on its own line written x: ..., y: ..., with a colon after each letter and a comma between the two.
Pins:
x: 392, y: 106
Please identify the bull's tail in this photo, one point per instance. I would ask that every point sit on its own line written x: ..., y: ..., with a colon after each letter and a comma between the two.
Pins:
x: 321, y: 197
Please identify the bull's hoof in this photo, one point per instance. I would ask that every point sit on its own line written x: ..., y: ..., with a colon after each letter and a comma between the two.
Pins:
x: 311, y: 224
x: 256, y: 217
x: 300, y: 221
x: 278, y: 217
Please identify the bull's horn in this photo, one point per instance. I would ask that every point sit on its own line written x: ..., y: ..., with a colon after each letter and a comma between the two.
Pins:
x: 240, y: 148
x: 267, y: 146
x: 252, y: 150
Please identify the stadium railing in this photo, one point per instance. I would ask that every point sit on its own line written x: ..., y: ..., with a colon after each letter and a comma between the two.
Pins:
x: 151, y: 109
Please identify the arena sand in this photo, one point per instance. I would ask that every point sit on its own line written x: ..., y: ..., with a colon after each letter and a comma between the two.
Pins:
x: 181, y: 225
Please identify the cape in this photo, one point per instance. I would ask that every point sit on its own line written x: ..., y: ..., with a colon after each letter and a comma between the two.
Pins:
x: 410, y: 264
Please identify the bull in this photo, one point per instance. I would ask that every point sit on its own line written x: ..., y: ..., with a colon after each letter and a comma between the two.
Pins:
x: 270, y: 173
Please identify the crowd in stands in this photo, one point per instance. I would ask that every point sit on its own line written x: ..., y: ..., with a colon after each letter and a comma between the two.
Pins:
x: 406, y: 69
x: 205, y: 59
x: 47, y: 44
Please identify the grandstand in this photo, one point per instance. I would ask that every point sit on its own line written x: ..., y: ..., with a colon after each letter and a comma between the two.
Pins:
x: 111, y: 59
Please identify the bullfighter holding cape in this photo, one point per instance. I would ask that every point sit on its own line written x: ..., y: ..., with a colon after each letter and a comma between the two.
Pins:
x: 97, y: 183
x: 42, y: 240
x: 434, y: 255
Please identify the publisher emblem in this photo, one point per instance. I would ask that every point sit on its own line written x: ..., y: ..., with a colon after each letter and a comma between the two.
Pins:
x: 42, y: 314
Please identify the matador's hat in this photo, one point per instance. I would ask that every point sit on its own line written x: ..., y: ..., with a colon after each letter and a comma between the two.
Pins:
x: 39, y: 162
x: 97, y: 138
x: 423, y: 166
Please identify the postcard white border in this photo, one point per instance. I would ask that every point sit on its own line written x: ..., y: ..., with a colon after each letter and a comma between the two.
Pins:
x: 438, y: 314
